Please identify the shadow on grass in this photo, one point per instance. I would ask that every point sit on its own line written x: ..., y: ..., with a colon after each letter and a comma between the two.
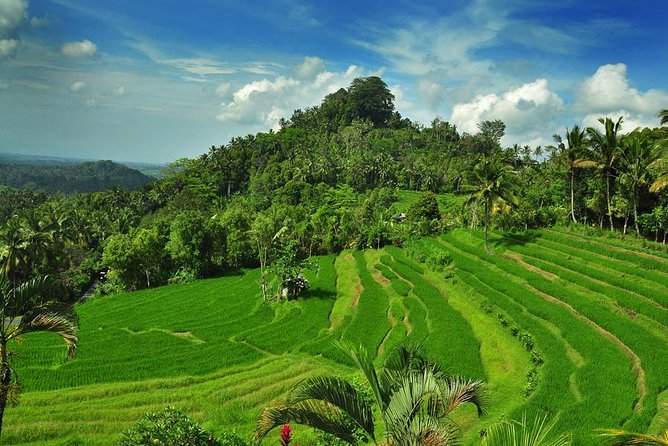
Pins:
x: 318, y: 293
x: 509, y: 240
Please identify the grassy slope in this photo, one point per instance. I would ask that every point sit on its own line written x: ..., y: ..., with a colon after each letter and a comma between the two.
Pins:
x: 212, y: 349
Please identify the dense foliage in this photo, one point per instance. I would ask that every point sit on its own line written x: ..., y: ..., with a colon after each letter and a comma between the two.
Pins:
x: 328, y: 179
x: 69, y: 178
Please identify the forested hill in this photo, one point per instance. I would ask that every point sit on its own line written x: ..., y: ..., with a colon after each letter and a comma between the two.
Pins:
x: 69, y: 178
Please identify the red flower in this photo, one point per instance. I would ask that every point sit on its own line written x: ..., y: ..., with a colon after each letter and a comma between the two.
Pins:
x: 286, y: 435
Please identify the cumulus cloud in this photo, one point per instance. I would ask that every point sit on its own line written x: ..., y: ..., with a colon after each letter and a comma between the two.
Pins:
x: 85, y: 48
x: 609, y: 90
x: 264, y: 102
x: 120, y: 91
x: 12, y: 15
x: 8, y: 48
x: 631, y: 120
x: 77, y: 86
x: 526, y: 111
x: 309, y: 68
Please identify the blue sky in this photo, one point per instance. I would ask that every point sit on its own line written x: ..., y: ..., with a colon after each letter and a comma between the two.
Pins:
x: 160, y: 80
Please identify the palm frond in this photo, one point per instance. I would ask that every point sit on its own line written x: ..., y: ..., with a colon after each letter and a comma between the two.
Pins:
x: 663, y: 115
x: 459, y: 391
x: 337, y: 392
x: 624, y: 438
x: 363, y: 361
x: 316, y: 414
x: 53, y: 323
x: 538, y: 433
x: 419, y: 392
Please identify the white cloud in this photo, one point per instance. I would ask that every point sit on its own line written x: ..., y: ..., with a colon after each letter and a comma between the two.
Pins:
x: 223, y: 89
x: 631, y: 120
x: 85, y: 48
x: 526, y: 111
x: 91, y: 102
x: 8, y: 48
x: 309, y: 68
x: 77, y: 86
x: 430, y: 92
x: 12, y: 15
x: 37, y: 22
x: 264, y: 102
x: 609, y: 90
x: 199, y: 66
x: 120, y: 91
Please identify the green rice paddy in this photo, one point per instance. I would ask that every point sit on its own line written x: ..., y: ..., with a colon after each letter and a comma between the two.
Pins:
x: 554, y: 322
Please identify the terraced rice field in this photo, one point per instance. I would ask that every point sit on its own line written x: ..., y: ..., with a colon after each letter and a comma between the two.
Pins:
x: 555, y: 322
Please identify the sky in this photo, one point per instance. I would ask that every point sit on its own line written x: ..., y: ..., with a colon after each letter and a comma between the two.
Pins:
x: 155, y: 81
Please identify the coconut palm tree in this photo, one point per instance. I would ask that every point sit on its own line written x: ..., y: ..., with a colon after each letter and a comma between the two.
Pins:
x: 20, y: 314
x: 413, y: 396
x: 635, y: 156
x: 624, y: 438
x: 493, y: 185
x: 663, y: 115
x: 525, y: 433
x: 574, y: 153
x: 605, y: 150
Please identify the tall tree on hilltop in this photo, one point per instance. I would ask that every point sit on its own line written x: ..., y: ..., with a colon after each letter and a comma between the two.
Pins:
x: 572, y: 152
x: 605, y: 150
x: 493, y: 184
x: 21, y: 313
x: 369, y: 98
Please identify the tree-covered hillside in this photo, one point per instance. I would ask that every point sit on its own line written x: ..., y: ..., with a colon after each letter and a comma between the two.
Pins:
x: 333, y: 177
x: 70, y: 177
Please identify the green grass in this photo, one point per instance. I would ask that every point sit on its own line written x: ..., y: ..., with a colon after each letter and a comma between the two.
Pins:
x: 214, y: 350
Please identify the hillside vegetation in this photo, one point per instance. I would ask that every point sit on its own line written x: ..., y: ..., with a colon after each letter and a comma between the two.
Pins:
x: 554, y: 320
x: 70, y: 178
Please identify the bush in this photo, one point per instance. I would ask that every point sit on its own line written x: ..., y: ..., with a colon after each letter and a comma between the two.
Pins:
x: 231, y: 439
x: 169, y: 427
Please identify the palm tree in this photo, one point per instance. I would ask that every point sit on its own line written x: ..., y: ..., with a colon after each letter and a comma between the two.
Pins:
x: 525, y: 433
x: 635, y: 156
x: 573, y: 153
x: 605, y: 150
x: 623, y: 438
x: 663, y: 115
x: 494, y: 184
x: 20, y: 313
x: 414, y: 399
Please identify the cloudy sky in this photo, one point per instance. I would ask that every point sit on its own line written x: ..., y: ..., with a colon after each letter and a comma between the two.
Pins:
x: 141, y: 80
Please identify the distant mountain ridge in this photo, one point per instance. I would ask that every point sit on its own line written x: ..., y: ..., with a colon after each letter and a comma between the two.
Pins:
x: 67, y: 176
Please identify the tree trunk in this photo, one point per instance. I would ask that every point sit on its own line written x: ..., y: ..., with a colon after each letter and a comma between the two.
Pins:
x: 148, y: 280
x: 626, y: 224
x: 487, y: 226
x: 600, y: 222
x: 635, y: 215
x: 573, y: 196
x: 664, y: 237
x: 607, y: 196
x: 6, y: 373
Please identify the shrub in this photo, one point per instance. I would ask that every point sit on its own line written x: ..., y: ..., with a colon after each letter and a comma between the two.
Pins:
x: 169, y: 427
